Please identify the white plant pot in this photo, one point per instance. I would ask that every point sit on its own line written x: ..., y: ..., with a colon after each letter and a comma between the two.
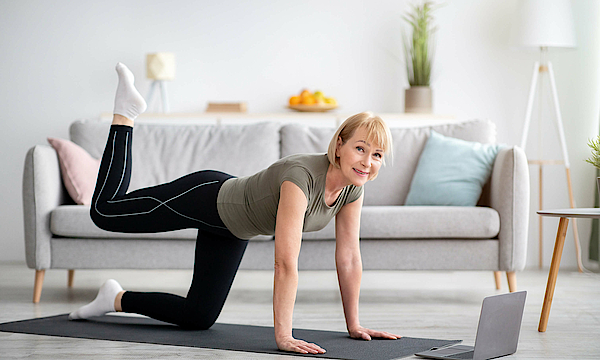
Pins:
x: 418, y: 99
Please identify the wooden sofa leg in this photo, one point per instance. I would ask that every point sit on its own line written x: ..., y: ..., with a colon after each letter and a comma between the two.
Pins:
x: 70, y: 278
x: 512, y: 281
x: 497, y: 277
x: 37, y: 286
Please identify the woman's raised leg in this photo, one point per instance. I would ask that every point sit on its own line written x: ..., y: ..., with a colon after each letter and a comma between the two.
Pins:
x: 188, y: 202
x: 165, y: 207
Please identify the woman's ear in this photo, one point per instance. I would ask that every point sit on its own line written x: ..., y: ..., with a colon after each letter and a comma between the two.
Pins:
x: 338, y: 146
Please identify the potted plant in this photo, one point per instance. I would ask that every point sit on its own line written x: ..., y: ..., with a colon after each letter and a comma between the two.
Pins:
x: 595, y: 158
x: 418, y: 55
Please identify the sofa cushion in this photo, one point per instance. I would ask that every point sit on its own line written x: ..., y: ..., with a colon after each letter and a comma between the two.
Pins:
x: 162, y: 153
x: 78, y: 170
x: 393, y: 182
x: 451, y: 172
x: 74, y: 221
x: 377, y: 222
x: 422, y: 222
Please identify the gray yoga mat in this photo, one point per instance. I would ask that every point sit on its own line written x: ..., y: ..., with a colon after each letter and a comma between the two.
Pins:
x: 258, y: 339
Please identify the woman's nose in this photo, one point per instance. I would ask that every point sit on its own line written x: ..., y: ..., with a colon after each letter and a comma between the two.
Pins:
x: 366, y: 161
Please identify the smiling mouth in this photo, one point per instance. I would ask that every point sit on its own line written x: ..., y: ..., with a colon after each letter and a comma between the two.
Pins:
x: 361, y: 173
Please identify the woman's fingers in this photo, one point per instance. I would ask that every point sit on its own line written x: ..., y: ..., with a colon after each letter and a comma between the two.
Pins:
x: 368, y: 334
x: 309, y: 349
x: 388, y: 335
x: 304, y: 347
x: 316, y: 348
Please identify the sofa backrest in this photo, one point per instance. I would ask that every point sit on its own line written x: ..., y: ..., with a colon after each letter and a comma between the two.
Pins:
x: 163, y: 152
x: 393, y: 182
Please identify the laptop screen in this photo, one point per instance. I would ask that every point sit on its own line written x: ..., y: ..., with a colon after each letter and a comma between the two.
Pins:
x: 499, y: 325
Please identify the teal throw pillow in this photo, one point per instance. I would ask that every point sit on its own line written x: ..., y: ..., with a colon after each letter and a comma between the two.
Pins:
x: 451, y: 172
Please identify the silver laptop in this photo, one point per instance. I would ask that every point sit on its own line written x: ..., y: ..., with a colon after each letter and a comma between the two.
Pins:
x: 497, y: 333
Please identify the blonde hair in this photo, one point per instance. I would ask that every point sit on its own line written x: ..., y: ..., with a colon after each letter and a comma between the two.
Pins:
x: 377, y: 133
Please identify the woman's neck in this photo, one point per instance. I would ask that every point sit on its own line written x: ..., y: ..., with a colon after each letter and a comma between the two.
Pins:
x: 335, y: 180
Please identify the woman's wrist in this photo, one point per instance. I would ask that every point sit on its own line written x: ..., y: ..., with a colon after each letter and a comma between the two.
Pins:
x: 282, y: 339
x: 283, y: 336
x: 282, y: 333
x: 352, y: 327
x: 351, y: 316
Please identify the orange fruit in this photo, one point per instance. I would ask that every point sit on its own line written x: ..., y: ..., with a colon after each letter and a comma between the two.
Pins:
x: 294, y: 100
x: 308, y: 100
x: 305, y: 93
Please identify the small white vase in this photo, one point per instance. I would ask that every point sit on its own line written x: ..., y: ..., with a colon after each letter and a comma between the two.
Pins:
x: 418, y: 99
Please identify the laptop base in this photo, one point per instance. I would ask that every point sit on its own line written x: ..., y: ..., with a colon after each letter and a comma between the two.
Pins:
x: 448, y: 352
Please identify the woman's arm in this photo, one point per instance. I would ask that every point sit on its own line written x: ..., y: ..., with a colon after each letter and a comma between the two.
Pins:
x: 288, y: 236
x: 349, y: 268
x: 348, y: 260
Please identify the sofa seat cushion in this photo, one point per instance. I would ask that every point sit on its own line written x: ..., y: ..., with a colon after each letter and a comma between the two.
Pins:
x: 421, y: 222
x: 74, y: 221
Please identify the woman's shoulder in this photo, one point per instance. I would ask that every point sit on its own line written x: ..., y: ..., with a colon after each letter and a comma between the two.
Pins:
x: 305, y: 170
x: 311, y: 161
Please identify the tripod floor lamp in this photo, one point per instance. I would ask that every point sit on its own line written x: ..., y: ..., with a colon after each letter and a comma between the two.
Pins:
x: 547, y: 24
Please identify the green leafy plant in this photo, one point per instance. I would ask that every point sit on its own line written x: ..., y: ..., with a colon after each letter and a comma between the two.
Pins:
x: 419, y: 51
x: 594, y: 144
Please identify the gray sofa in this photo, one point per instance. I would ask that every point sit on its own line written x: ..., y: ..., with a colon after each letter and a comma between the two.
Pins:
x: 491, y: 236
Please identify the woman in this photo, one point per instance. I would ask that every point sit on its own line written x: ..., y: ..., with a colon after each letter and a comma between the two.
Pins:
x: 295, y: 194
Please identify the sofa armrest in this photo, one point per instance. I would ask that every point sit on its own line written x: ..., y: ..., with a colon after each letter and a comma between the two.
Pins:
x: 43, y: 191
x: 509, y: 188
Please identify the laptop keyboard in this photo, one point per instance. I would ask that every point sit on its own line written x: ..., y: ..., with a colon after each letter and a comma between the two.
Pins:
x: 465, y: 355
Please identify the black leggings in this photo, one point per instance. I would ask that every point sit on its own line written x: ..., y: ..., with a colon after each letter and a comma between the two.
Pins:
x: 188, y: 202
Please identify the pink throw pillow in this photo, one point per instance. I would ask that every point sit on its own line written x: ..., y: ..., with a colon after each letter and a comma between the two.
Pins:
x: 78, y: 169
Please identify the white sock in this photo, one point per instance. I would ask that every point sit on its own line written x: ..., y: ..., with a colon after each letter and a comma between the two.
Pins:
x: 102, y: 304
x: 128, y: 101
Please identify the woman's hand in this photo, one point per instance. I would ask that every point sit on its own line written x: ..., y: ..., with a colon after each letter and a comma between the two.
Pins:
x: 366, y: 334
x: 299, y: 346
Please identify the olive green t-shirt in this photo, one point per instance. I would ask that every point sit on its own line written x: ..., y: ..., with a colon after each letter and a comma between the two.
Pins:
x: 248, y: 205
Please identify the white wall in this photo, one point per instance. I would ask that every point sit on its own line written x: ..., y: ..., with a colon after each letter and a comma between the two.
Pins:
x: 58, y: 58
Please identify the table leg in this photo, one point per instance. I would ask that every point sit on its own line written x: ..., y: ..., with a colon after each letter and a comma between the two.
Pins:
x: 541, y: 224
x: 558, y: 249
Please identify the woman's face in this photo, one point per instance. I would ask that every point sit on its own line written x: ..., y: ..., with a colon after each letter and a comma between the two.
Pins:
x: 359, y: 160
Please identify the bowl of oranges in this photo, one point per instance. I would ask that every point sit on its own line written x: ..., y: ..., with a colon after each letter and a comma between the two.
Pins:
x: 312, y: 102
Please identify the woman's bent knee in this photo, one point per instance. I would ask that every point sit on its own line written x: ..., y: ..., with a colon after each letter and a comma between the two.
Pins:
x: 198, y: 323
x: 198, y: 319
x: 102, y: 222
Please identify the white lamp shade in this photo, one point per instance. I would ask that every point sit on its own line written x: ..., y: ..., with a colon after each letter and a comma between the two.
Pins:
x: 160, y: 66
x: 544, y: 23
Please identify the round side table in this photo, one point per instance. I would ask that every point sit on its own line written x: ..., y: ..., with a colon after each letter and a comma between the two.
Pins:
x: 564, y: 215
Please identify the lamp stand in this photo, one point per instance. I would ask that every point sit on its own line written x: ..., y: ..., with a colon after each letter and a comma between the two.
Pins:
x: 163, y: 91
x: 537, y: 69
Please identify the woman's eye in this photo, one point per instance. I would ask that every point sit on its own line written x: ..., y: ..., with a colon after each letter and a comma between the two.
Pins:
x: 378, y: 155
x: 359, y: 148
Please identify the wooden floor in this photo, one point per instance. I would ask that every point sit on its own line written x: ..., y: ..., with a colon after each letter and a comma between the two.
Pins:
x: 419, y: 304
